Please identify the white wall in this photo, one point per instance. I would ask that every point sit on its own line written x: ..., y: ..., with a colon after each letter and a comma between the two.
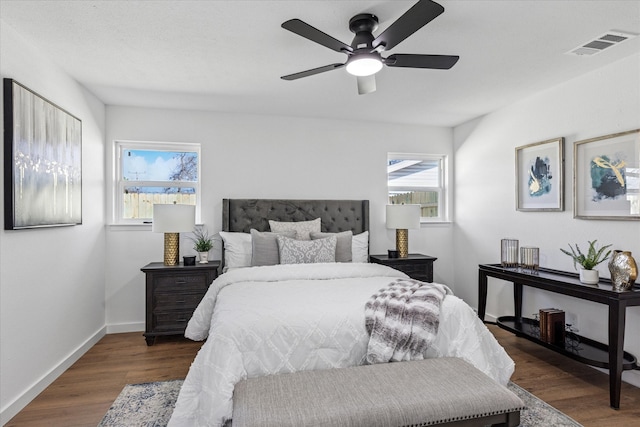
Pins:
x: 603, y: 102
x: 51, y: 280
x: 249, y: 156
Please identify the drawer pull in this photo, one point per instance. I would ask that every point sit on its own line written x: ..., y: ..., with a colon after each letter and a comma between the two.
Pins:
x: 180, y: 281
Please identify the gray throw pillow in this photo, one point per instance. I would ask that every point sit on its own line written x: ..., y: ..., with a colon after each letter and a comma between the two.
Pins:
x: 343, y: 244
x: 306, y: 251
x: 264, y: 247
x: 302, y: 228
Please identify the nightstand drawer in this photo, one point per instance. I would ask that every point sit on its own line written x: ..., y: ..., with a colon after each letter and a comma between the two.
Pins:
x: 412, y: 270
x: 182, y: 282
x: 416, y: 266
x: 171, y: 320
x: 176, y: 301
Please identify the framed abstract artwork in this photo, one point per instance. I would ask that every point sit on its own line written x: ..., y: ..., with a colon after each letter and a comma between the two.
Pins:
x: 540, y: 176
x: 606, y: 177
x: 42, y: 161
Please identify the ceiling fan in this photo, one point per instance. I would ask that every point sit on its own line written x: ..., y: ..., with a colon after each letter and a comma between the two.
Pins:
x: 364, y: 57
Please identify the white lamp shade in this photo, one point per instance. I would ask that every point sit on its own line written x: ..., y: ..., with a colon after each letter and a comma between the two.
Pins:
x: 173, y: 218
x: 403, y: 216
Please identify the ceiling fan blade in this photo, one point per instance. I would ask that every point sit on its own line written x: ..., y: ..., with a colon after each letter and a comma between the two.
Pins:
x: 305, y: 30
x: 366, y: 84
x: 438, y: 62
x: 413, y: 19
x: 311, y: 72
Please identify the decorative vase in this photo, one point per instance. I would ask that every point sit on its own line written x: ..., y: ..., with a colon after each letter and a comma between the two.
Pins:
x: 623, y: 269
x: 590, y: 277
x: 204, y: 257
x: 509, y: 253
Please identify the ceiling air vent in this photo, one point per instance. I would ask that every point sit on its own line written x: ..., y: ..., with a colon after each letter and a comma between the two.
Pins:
x: 601, y: 43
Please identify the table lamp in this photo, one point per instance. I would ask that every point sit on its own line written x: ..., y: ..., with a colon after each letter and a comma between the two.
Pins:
x: 403, y: 217
x: 171, y: 220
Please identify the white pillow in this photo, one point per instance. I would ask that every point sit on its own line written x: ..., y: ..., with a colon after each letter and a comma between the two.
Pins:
x: 360, y: 247
x: 237, y: 250
x: 294, y: 251
x: 303, y: 229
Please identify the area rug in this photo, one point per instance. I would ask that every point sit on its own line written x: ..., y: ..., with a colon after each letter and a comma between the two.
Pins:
x: 151, y: 405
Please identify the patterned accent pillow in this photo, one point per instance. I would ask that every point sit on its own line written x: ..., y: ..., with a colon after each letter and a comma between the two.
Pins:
x: 302, y: 228
x: 343, y: 244
x: 305, y: 252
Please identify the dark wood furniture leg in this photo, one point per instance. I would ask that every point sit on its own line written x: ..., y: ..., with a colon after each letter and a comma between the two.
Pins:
x: 617, y: 312
x: 482, y: 294
x: 517, y: 303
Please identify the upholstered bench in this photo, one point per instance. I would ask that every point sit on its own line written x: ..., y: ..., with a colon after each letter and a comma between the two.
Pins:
x: 443, y: 391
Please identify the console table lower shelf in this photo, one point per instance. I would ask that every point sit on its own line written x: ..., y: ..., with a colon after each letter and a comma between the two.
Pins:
x: 577, y: 347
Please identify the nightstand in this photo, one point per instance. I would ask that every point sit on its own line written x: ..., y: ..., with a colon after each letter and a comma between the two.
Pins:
x: 416, y: 266
x: 172, y: 294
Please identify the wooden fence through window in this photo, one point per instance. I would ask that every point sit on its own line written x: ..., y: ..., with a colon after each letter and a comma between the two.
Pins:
x: 140, y: 205
x: 428, y: 201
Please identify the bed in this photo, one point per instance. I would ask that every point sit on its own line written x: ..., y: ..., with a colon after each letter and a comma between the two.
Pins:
x: 282, y: 317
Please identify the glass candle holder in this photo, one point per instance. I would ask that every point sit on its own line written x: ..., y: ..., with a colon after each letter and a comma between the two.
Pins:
x: 509, y: 253
x: 529, y: 258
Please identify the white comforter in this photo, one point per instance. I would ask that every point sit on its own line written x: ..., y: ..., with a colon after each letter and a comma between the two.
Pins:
x: 285, y: 318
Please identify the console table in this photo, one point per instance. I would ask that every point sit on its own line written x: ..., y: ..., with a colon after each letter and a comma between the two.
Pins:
x: 611, y: 356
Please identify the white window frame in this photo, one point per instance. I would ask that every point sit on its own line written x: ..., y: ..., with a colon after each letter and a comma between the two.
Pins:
x: 119, y: 184
x: 442, y: 190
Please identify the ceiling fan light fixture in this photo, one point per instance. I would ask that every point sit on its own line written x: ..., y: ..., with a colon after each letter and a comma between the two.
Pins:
x: 364, y: 64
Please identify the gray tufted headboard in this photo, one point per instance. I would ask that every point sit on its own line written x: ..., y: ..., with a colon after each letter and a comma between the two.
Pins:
x: 241, y: 215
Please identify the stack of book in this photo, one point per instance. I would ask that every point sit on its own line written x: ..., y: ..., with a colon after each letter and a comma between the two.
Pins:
x: 552, y: 326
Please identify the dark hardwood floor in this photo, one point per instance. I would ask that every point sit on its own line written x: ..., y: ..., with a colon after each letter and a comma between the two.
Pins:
x: 82, y: 395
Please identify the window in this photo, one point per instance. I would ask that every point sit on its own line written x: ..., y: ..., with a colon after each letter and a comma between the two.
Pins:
x: 418, y: 179
x: 151, y: 173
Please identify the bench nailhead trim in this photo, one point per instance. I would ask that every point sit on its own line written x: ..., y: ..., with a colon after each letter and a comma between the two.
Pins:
x: 470, y: 417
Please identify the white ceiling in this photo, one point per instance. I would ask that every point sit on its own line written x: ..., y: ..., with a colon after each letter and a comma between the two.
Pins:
x: 229, y: 55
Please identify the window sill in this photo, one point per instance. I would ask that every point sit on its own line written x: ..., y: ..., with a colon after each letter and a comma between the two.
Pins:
x: 128, y: 227
x: 429, y: 223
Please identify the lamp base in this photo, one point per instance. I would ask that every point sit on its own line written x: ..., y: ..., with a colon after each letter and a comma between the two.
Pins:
x: 171, y: 248
x: 402, y: 242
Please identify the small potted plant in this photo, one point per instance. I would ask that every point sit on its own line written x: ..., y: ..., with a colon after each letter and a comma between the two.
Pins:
x: 589, y: 261
x: 202, y: 243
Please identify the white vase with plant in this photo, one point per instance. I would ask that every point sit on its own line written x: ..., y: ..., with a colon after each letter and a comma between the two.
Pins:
x: 588, y: 261
x: 202, y: 243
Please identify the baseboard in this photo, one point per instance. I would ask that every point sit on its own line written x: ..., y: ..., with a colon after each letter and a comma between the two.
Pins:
x: 121, y: 328
x: 631, y: 377
x: 490, y: 319
x: 12, y: 409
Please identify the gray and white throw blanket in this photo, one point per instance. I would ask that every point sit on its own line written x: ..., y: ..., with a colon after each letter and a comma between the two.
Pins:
x: 402, y: 320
